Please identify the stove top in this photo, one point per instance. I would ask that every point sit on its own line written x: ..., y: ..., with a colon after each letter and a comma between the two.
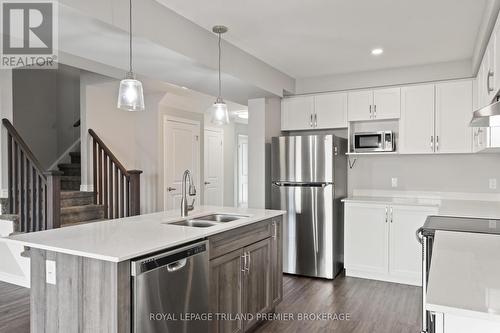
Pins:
x: 463, y: 224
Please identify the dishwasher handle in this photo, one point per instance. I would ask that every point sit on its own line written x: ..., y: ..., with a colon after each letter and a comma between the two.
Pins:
x: 178, y: 265
x: 173, y: 260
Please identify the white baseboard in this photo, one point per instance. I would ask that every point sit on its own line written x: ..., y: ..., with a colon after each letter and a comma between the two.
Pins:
x: 413, y: 281
x: 87, y: 188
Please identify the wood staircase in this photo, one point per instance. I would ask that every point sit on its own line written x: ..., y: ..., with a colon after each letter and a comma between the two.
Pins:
x: 76, y: 206
x: 46, y: 199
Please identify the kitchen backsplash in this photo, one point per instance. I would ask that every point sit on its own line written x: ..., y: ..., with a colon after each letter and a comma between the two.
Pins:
x: 470, y: 173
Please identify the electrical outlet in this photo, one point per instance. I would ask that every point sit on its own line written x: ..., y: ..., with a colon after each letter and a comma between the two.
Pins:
x: 493, y: 183
x: 394, y: 182
x: 50, y: 271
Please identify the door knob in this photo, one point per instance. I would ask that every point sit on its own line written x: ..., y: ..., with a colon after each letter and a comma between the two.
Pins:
x: 207, y: 183
x: 170, y: 189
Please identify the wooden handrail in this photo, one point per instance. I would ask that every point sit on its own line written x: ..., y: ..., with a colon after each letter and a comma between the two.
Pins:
x: 24, y: 147
x: 107, y: 151
x: 115, y: 187
x: 34, y: 193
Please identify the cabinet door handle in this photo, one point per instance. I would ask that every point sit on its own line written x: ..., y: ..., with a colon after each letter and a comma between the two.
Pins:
x: 432, y: 142
x: 244, y: 256
x: 275, y: 230
x: 170, y: 189
x: 386, y: 214
x: 249, y: 262
x: 315, y: 120
x: 437, y: 142
x: 375, y: 111
x: 370, y: 111
x: 392, y: 214
x: 488, y: 77
x: 311, y: 121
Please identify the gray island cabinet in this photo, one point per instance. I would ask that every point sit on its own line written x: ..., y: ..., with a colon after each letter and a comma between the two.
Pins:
x: 92, y: 291
x: 245, y: 275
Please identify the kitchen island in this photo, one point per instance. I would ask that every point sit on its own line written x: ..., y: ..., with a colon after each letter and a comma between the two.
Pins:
x: 81, y: 276
x: 464, y: 282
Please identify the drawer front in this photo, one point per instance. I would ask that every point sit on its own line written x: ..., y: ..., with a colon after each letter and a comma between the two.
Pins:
x: 240, y: 237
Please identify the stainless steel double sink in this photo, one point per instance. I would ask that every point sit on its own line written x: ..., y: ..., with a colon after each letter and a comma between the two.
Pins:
x: 209, y: 220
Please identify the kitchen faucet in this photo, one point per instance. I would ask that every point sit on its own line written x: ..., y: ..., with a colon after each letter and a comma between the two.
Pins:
x: 185, y: 208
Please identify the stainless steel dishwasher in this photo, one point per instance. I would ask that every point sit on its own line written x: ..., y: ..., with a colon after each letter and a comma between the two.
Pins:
x: 170, y: 291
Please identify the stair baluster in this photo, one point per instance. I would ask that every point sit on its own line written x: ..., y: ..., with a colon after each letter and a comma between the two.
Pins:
x: 117, y: 188
x: 34, y: 193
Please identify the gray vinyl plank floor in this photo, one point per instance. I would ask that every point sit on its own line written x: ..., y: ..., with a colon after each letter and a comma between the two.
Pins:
x: 373, y: 307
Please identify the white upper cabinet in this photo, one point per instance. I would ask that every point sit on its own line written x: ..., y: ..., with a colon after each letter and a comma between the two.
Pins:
x: 374, y: 104
x: 330, y: 110
x: 297, y: 113
x: 360, y: 105
x: 386, y: 103
x: 416, y: 127
x: 453, y: 115
x: 314, y: 112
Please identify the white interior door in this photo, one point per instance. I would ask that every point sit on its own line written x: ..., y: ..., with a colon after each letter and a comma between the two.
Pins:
x: 214, y: 167
x: 181, y: 152
x: 242, y: 171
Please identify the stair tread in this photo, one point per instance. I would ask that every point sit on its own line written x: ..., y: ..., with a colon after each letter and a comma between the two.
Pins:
x: 78, y: 209
x: 68, y: 224
x: 71, y: 178
x: 75, y: 194
x: 70, y: 165
x: 74, y: 153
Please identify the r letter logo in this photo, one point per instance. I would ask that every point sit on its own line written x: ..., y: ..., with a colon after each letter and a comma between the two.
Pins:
x: 29, y: 34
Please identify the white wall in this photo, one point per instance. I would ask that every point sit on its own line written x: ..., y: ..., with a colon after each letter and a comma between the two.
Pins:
x: 46, y: 104
x: 468, y: 173
x: 5, y: 112
x: 263, y: 124
x: 132, y: 136
x: 386, y: 77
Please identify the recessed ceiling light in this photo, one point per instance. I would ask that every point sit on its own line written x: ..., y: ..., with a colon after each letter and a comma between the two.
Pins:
x: 377, y: 51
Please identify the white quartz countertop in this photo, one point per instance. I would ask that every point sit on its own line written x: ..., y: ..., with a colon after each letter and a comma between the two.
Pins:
x: 122, y: 239
x: 446, y: 207
x: 464, y: 277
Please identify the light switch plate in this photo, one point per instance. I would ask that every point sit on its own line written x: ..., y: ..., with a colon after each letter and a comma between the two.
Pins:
x: 50, y: 271
x: 394, y: 182
x: 493, y: 183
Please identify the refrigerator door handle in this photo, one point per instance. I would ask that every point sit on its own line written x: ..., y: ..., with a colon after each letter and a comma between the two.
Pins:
x: 291, y: 184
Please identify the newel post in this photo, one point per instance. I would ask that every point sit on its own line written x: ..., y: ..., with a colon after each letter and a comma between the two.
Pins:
x: 135, y: 192
x: 53, y: 199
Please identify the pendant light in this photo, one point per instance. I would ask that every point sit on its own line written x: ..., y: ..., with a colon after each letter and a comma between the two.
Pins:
x: 130, y: 95
x: 219, y: 111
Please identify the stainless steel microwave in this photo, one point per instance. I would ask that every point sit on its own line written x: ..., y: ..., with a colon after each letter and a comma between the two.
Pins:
x: 364, y: 142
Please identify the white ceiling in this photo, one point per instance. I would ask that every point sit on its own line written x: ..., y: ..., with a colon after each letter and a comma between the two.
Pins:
x: 320, y: 37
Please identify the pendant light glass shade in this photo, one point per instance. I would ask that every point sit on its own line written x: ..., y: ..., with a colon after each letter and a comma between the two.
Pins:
x: 219, y: 113
x: 130, y: 94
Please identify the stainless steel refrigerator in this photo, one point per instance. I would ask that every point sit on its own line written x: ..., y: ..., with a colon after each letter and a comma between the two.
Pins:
x: 309, y: 179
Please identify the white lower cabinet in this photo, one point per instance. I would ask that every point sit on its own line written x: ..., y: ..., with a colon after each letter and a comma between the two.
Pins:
x: 380, y: 241
x: 366, y: 238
